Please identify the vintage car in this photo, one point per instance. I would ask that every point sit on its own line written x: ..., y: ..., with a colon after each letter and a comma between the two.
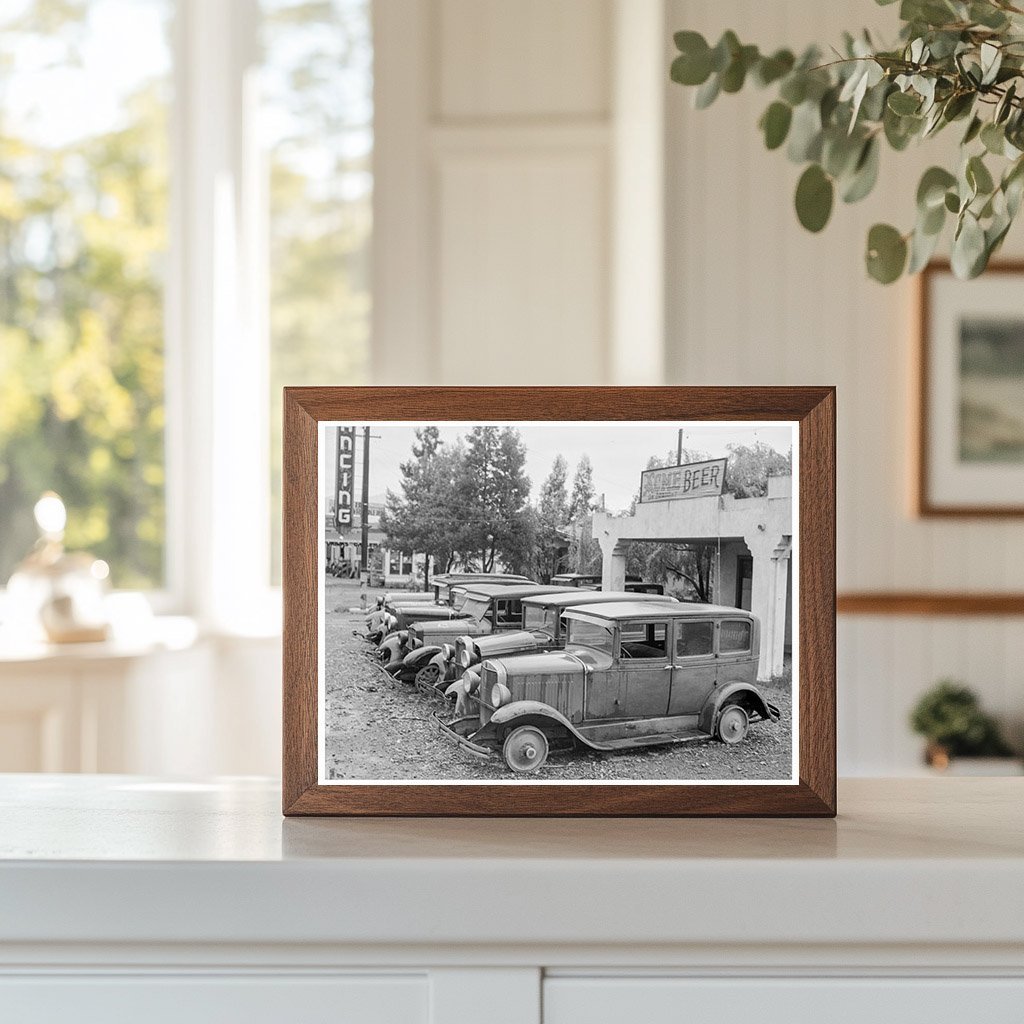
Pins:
x: 489, y: 608
x: 592, y: 581
x: 543, y: 629
x: 443, y: 582
x: 397, y: 618
x: 632, y: 674
x: 404, y: 596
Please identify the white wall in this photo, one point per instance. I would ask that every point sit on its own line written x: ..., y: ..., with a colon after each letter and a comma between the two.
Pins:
x: 754, y: 299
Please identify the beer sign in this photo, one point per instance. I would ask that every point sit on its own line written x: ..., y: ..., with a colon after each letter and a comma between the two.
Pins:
x: 694, y: 480
x: 345, y: 478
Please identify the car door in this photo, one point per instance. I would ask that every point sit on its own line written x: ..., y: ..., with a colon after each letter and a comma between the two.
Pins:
x: 695, y: 666
x: 646, y: 666
x: 735, y: 655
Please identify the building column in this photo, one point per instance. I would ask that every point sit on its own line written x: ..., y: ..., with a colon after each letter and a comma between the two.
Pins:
x: 613, y: 564
x: 780, y: 598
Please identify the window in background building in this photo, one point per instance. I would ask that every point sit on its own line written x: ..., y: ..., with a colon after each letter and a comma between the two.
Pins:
x: 317, y: 120
x: 83, y: 234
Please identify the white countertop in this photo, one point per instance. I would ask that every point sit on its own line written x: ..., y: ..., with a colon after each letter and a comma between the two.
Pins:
x: 121, y: 859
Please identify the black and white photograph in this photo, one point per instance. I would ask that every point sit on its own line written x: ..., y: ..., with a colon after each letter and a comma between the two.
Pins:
x: 558, y: 602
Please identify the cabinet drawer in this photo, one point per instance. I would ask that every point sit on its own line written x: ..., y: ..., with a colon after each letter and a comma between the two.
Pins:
x: 205, y: 999
x: 675, y: 1000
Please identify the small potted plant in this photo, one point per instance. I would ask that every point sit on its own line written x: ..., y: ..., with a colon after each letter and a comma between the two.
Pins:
x: 951, y: 719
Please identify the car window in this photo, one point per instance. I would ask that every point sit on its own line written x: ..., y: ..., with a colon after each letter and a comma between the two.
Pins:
x: 589, y: 634
x: 507, y: 612
x: 695, y: 639
x: 539, y: 618
x: 475, y: 607
x: 643, y: 640
x: 734, y: 636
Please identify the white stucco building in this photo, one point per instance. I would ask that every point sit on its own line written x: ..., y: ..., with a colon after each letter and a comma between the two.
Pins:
x: 754, y: 537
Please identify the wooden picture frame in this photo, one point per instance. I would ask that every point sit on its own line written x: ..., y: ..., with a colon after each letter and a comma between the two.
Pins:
x: 930, y: 379
x: 812, y: 792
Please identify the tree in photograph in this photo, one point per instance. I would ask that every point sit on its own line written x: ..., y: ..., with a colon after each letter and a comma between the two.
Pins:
x: 749, y: 466
x: 582, y: 501
x: 425, y: 516
x: 551, y: 544
x: 496, y: 523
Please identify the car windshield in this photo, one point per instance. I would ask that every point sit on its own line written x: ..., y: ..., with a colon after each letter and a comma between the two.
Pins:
x: 590, y: 634
x: 475, y: 607
x: 538, y: 618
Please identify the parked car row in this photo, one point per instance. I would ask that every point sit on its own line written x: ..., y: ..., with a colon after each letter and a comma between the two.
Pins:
x: 530, y: 667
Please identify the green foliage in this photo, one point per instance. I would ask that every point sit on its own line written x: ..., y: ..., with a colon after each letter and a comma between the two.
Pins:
x: 82, y: 233
x: 950, y: 717
x: 956, y: 60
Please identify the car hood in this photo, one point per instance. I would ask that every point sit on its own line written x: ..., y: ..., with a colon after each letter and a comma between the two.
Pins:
x: 552, y: 663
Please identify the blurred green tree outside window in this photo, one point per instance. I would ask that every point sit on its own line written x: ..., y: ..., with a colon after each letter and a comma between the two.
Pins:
x: 317, y: 121
x: 83, y: 236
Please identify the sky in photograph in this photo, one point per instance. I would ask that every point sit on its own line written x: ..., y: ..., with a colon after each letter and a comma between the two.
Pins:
x: 618, y: 451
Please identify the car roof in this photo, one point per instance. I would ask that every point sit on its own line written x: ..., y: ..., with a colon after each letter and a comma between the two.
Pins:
x: 482, y: 577
x: 633, y: 609
x: 489, y: 590
x: 577, y: 596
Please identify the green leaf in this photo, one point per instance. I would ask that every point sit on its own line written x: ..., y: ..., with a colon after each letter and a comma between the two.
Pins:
x: 987, y: 15
x: 794, y: 89
x: 735, y: 74
x: 978, y: 176
x: 1004, y: 106
x: 805, y: 133
x: 725, y: 49
x: 931, y: 191
x: 993, y: 138
x: 775, y: 124
x: 693, y: 65
x: 886, y: 254
x: 814, y: 194
x: 973, y: 129
x: 771, y: 69
x: 707, y: 93
x: 865, y: 173
x: 952, y: 202
x: 969, y: 255
x: 991, y: 57
x: 903, y: 103
x: 922, y: 247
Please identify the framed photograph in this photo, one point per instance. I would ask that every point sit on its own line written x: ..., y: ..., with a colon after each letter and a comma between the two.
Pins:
x: 559, y: 601
x: 970, y: 445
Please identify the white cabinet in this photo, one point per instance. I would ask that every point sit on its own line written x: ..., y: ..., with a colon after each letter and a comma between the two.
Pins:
x: 127, y: 899
x: 824, y: 1000
x: 202, y: 999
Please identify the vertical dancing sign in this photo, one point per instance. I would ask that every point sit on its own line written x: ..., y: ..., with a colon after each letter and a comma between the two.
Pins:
x: 345, y: 478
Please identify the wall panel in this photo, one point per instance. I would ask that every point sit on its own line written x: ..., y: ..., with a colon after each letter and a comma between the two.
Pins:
x: 754, y: 299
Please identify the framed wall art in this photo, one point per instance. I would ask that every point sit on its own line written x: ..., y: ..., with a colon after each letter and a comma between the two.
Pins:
x: 559, y: 601
x: 970, y: 444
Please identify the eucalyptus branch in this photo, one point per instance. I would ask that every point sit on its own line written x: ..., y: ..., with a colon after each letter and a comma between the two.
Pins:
x: 955, y: 61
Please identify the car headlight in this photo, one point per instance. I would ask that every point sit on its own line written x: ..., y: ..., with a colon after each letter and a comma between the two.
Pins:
x: 465, y: 658
x: 500, y: 694
x: 390, y: 621
x: 471, y: 681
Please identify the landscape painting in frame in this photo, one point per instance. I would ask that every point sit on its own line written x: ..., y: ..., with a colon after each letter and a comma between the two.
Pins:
x: 972, y: 393
x: 529, y: 603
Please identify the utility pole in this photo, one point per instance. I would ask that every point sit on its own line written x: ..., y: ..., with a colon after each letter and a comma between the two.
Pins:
x: 679, y: 449
x: 365, y: 549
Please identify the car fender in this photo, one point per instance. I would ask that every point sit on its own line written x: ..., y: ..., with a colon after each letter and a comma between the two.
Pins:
x: 723, y: 695
x: 525, y: 712
x: 416, y: 659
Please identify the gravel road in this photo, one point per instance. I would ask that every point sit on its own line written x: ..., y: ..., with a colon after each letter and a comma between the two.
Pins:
x: 378, y: 728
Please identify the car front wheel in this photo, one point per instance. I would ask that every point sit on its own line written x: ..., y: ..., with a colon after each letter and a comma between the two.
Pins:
x: 525, y: 749
x: 732, y: 724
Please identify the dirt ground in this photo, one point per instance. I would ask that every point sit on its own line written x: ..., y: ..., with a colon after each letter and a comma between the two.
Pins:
x: 378, y: 728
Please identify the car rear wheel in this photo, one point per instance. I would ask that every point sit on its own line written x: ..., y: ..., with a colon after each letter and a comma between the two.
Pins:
x: 525, y: 749
x: 732, y: 724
